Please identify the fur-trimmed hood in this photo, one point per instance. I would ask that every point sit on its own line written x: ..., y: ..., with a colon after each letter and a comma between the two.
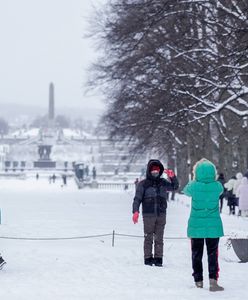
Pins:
x: 204, y: 171
x: 154, y: 162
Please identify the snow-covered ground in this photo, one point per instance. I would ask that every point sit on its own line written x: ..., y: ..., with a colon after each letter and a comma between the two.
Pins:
x: 91, y: 268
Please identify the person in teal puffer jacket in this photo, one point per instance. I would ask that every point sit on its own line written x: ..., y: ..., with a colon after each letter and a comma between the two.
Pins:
x: 204, y: 223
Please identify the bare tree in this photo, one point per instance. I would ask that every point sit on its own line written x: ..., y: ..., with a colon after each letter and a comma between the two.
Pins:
x: 175, y: 76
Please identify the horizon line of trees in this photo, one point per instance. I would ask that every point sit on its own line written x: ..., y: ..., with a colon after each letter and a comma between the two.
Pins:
x: 61, y: 121
x: 175, y: 77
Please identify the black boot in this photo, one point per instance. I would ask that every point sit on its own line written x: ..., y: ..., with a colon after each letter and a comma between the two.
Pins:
x: 158, y: 261
x: 149, y: 261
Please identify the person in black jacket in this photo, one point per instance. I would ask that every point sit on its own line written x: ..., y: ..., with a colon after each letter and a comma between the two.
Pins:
x: 221, y: 179
x: 152, y: 193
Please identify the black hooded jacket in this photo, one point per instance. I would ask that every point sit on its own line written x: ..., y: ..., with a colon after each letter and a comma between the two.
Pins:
x: 152, y: 192
x: 221, y: 179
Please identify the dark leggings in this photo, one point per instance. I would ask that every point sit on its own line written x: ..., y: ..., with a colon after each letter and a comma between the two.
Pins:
x: 197, y: 246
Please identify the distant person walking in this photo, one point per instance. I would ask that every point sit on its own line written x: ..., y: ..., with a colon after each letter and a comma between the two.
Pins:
x: 94, y: 173
x: 136, y: 183
x: 231, y: 197
x: 221, y: 179
x: 204, y: 224
x: 86, y: 171
x: 54, y: 178
x: 37, y: 176
x: 237, y: 183
x: 64, y: 178
x: 242, y: 193
x: 152, y: 194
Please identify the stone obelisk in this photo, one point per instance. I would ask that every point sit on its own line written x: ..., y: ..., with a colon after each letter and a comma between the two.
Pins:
x: 51, y: 102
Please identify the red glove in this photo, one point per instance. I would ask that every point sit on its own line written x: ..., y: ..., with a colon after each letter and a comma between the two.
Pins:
x: 135, y: 217
x: 169, y: 172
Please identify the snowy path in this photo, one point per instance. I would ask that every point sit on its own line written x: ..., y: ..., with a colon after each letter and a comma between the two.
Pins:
x: 92, y: 268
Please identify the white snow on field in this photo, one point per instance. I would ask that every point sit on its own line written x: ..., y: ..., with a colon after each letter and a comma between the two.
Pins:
x: 91, y: 268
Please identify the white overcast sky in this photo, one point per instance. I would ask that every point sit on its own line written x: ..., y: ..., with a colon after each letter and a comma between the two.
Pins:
x: 41, y: 41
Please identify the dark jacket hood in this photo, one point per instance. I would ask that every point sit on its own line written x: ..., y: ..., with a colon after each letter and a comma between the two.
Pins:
x: 154, y: 162
x: 221, y: 176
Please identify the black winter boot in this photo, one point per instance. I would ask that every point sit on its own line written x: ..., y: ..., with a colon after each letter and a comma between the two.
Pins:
x: 158, y: 261
x: 149, y: 261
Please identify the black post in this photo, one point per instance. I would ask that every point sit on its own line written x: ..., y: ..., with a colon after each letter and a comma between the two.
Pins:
x: 113, y: 239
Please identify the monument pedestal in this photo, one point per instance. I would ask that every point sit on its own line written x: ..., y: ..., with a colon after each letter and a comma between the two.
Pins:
x: 44, y: 160
x: 45, y: 164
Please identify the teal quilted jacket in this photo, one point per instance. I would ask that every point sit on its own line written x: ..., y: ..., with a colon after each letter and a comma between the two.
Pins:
x: 204, y: 220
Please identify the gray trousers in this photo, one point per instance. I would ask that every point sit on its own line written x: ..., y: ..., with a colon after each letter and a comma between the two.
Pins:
x: 154, y: 233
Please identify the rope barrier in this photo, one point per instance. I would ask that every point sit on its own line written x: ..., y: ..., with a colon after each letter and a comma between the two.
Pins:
x: 113, y: 234
x: 141, y: 236
x: 81, y: 237
x: 54, y: 239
